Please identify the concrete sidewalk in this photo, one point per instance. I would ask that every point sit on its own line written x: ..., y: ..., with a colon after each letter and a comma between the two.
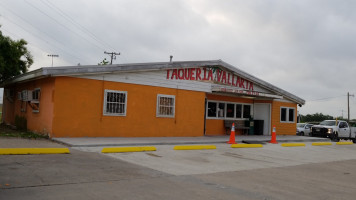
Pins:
x: 139, y: 141
x: 12, y: 142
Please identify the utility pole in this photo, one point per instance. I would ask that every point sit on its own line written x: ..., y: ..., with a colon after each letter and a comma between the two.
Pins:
x: 112, y: 55
x: 342, y: 114
x: 52, y: 55
x: 348, y: 106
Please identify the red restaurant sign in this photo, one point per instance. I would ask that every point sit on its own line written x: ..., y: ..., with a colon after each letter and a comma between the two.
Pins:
x: 215, y: 75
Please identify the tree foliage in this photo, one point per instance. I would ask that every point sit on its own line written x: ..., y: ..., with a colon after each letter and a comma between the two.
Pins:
x: 317, y: 117
x: 104, y: 62
x: 15, y: 59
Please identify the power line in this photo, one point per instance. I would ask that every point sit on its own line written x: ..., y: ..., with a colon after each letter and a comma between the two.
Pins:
x: 83, y: 28
x: 41, y: 38
x: 64, y: 26
x: 38, y: 36
x: 327, y: 98
x: 72, y: 21
x: 78, y: 25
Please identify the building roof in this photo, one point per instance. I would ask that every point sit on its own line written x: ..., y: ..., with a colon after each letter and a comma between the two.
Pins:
x: 105, y: 69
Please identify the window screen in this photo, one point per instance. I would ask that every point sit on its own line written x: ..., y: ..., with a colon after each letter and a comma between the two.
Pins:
x: 165, y: 105
x: 115, y: 102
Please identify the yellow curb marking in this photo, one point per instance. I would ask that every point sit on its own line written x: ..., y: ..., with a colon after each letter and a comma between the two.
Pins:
x: 23, y: 151
x: 344, y: 143
x: 321, y: 143
x: 292, y: 144
x: 246, y: 145
x: 127, y: 149
x: 194, y: 147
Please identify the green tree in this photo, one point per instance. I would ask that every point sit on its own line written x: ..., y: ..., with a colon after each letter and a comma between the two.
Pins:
x: 317, y: 117
x: 15, y: 59
x: 104, y: 62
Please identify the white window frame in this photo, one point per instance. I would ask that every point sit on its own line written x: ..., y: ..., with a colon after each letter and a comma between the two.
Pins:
x: 287, y: 114
x: 39, y: 95
x: 36, y: 101
x: 105, y: 102
x: 158, y: 105
x: 225, y: 111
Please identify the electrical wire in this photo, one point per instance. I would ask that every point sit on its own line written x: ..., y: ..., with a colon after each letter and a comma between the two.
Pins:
x: 64, y: 26
x: 327, y: 98
x: 79, y: 26
x: 76, y: 24
x: 41, y: 38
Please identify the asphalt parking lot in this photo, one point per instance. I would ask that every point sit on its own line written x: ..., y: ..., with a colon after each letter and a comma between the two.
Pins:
x: 271, y: 172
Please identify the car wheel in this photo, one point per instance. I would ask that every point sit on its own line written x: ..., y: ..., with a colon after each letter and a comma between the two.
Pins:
x: 354, y: 140
x: 302, y: 133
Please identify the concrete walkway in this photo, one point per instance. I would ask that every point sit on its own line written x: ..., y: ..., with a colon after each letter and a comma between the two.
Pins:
x: 136, y: 141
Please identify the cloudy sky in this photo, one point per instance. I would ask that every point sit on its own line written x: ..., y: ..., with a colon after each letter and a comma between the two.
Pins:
x: 307, y: 47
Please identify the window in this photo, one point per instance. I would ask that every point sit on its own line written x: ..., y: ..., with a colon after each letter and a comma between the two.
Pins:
x: 291, y: 115
x: 283, y: 114
x: 211, y: 109
x: 247, y: 111
x: 287, y: 114
x: 238, y: 111
x: 115, y: 103
x: 228, y: 110
x: 9, y: 94
x: 221, y: 110
x: 35, y: 102
x: 343, y: 125
x: 165, y: 105
x: 36, y: 94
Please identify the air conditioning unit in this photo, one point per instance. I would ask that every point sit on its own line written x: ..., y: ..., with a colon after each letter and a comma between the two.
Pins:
x: 29, y: 95
x: 26, y: 95
x: 19, y: 96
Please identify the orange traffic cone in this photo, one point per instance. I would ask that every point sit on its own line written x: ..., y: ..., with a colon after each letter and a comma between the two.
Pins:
x: 274, y: 137
x: 232, y: 135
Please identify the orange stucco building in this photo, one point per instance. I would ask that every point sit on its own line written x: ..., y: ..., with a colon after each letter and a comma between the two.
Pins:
x: 174, y: 99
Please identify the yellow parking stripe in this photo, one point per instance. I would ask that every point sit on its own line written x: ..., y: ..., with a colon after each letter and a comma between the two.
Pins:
x: 194, y: 147
x: 344, y: 143
x: 292, y: 144
x: 127, y: 149
x: 246, y: 145
x: 321, y: 143
x: 23, y: 151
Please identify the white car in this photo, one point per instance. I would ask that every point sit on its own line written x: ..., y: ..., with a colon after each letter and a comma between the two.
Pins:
x: 304, y: 129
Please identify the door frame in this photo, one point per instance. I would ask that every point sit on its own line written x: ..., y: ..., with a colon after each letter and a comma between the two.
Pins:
x: 270, y: 115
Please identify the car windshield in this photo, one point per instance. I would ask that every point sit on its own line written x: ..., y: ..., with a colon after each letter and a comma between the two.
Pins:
x: 328, y: 123
x: 300, y: 125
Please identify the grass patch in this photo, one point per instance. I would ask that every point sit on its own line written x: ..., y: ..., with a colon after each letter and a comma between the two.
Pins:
x: 6, y: 131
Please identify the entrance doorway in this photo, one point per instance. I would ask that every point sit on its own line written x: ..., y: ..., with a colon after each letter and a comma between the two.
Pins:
x: 262, y: 111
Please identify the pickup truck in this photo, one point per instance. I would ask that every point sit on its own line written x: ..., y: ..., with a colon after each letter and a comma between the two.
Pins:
x: 333, y: 129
